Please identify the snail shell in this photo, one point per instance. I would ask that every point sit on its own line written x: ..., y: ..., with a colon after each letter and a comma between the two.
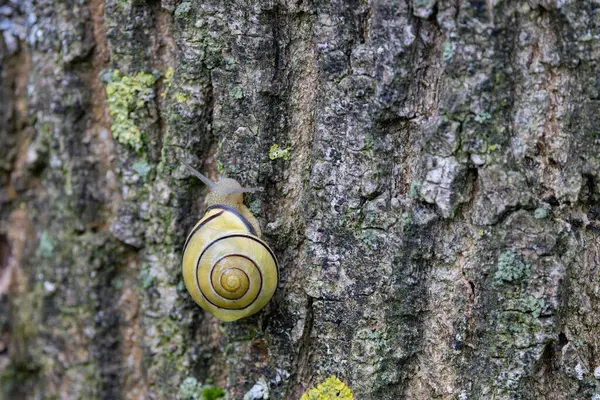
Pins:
x: 227, y: 268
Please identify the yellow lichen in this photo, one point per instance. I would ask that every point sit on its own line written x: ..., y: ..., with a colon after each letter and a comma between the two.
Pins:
x: 331, y: 389
x: 126, y: 96
x: 276, y: 152
x: 168, y: 82
x: 181, y: 98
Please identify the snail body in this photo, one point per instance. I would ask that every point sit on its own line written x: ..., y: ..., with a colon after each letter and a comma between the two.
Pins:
x: 227, y: 268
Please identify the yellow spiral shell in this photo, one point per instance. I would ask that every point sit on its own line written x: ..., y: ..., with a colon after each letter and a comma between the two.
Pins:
x: 227, y: 268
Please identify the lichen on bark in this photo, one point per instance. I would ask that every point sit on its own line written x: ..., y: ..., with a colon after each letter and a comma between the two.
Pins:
x: 126, y: 97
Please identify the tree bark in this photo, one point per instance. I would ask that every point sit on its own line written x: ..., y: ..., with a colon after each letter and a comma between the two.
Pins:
x: 433, y: 198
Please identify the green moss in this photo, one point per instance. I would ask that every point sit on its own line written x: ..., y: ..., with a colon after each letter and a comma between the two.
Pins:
x: 276, y: 152
x: 126, y: 95
x: 191, y: 389
x: 331, y: 389
x: 181, y: 98
x: 510, y: 268
x: 212, y: 392
x: 493, y: 147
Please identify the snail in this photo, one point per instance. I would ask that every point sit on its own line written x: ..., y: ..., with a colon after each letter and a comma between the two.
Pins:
x: 227, y: 269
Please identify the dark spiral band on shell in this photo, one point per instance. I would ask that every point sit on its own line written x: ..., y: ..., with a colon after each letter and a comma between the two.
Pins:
x: 236, y: 213
x: 197, y: 228
x: 223, y: 208
x: 211, y: 277
x: 253, y: 238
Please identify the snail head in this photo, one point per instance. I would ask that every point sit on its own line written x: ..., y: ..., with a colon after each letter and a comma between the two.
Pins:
x: 225, y: 190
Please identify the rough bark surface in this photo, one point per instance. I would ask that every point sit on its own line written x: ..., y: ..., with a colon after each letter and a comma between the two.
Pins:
x: 436, y: 216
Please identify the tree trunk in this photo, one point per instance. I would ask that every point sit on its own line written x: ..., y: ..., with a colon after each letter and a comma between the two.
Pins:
x: 431, y: 174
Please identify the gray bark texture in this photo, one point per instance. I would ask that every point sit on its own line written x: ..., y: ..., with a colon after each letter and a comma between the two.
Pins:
x: 433, y: 196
